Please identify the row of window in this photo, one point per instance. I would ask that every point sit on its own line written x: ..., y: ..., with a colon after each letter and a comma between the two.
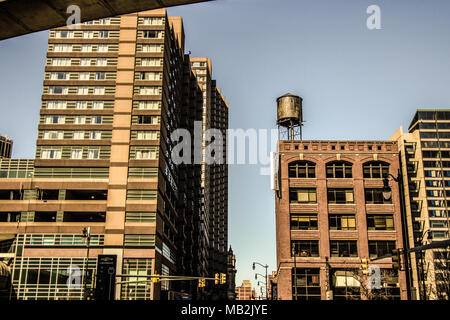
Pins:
x: 436, y: 173
x: 94, y: 135
x: 85, y: 34
x: 91, y: 154
x: 91, y: 119
x: 341, y: 221
x: 79, y: 90
x: 435, y: 144
x: 82, y: 48
x: 73, y: 172
x: 60, y: 119
x: 151, y: 34
x: 55, y: 153
x: 68, y: 216
x: 100, y: 75
x: 338, y: 196
x: 75, y: 135
x: 86, y: 62
x: 434, y: 135
x: 83, y: 62
x: 340, y: 248
x: 55, y: 194
x: 436, y: 154
x: 64, y: 75
x: 337, y: 169
x: 35, y: 239
x: 97, y: 104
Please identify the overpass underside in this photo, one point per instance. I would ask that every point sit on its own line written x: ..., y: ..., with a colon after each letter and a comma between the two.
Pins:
x: 19, y: 17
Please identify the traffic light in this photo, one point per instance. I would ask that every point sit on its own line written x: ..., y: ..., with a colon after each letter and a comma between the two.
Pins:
x: 216, y: 278
x: 155, y: 278
x: 201, y: 283
x: 89, y: 294
x: 223, y: 278
x: 365, y: 266
x: 396, y: 259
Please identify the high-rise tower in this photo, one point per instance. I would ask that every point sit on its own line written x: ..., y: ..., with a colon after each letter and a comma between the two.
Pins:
x: 115, y: 90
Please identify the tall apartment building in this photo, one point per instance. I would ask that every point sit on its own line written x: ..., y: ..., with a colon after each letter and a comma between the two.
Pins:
x: 114, y: 91
x: 331, y: 214
x: 214, y: 176
x: 425, y: 167
x: 5, y: 147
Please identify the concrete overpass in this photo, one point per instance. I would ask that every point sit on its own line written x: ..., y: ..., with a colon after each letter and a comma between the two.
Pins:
x: 19, y: 17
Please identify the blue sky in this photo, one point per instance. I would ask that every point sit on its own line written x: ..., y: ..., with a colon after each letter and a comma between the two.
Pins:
x: 356, y: 83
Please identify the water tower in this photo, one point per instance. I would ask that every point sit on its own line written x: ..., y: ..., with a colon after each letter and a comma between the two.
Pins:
x: 289, y: 117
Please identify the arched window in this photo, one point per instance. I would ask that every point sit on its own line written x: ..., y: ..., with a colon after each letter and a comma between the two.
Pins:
x: 302, y: 169
x: 375, y: 169
x: 339, y: 169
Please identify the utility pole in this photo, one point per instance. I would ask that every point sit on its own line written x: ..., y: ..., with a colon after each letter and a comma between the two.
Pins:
x: 264, y: 266
x: 87, y: 236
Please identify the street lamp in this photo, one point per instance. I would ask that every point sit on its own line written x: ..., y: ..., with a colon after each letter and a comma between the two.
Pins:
x: 264, y: 266
x: 256, y: 278
x: 387, y: 194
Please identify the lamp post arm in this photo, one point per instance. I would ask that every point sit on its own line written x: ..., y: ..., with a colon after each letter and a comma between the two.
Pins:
x: 264, y: 266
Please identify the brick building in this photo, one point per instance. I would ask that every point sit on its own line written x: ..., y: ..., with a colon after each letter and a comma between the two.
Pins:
x: 331, y: 213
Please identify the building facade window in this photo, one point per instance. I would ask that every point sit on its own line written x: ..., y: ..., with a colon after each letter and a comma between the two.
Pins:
x: 93, y: 154
x: 97, y: 105
x: 343, y: 248
x: 51, y: 154
x: 76, y: 154
x: 340, y: 196
x: 305, y: 248
x: 58, y: 90
x: 380, y: 222
x: 297, y: 195
x: 152, y: 34
x: 153, y: 21
x: 345, y: 284
x: 135, y: 290
x: 380, y: 248
x: 375, y: 169
x: 306, y: 284
x: 375, y: 196
x: 303, y: 221
x: 56, y: 104
x: 302, y: 169
x: 342, y: 222
x: 81, y: 105
x: 339, y: 169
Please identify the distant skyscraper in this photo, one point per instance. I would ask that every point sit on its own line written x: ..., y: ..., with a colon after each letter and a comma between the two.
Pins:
x: 425, y: 159
x: 5, y: 147
x: 214, y: 177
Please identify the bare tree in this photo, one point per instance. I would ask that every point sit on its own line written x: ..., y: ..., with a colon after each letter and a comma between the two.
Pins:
x: 388, y: 281
x: 441, y: 288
